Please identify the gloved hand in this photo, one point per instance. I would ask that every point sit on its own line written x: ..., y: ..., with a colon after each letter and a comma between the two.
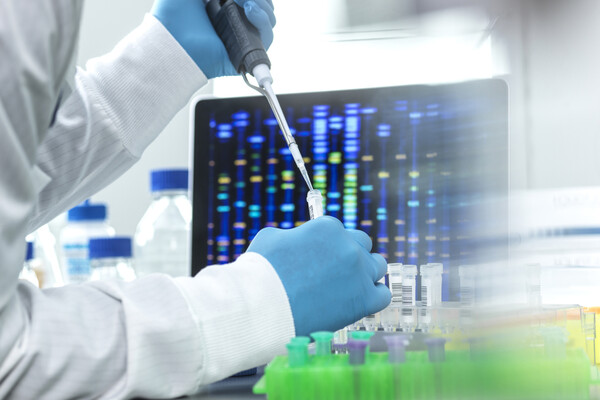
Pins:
x: 188, y: 22
x: 327, y: 272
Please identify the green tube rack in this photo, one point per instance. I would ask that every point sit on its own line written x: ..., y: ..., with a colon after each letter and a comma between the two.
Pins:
x: 521, y: 374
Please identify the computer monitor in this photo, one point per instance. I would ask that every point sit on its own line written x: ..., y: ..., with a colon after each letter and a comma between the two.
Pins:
x: 422, y: 169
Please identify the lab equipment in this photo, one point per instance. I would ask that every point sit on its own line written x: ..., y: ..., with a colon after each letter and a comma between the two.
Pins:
x: 315, y: 203
x: 431, y: 284
x: 87, y: 220
x: 47, y: 266
x: 297, y: 352
x: 389, y: 317
x: 357, y: 349
x: 371, y: 322
x: 431, y: 291
x: 323, y: 342
x: 28, y: 273
x: 338, y: 268
x: 162, y: 237
x: 396, y: 348
x: 247, y: 54
x: 110, y: 258
x: 395, y: 282
x: 409, y: 291
x: 520, y: 373
x: 187, y: 22
x: 245, y: 177
x: 436, y: 349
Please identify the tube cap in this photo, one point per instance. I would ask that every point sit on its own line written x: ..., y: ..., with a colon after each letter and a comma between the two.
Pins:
x: 87, y: 211
x: 110, y: 247
x: 168, y: 179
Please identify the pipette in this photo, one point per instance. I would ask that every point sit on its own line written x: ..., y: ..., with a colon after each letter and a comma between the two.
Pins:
x: 247, y: 54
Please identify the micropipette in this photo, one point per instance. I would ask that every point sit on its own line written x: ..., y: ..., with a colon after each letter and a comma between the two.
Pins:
x: 247, y: 54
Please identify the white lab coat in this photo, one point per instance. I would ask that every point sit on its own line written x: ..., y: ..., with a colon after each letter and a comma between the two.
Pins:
x: 155, y: 337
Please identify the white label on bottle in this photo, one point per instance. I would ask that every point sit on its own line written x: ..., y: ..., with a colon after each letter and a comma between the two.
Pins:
x: 77, y: 263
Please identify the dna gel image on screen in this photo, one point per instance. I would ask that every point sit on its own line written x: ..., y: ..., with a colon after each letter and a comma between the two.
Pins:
x: 422, y: 169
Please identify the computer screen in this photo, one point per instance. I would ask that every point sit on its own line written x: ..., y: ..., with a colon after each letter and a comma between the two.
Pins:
x: 422, y: 169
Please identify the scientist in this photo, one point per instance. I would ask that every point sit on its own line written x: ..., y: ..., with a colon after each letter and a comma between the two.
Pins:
x: 64, y: 135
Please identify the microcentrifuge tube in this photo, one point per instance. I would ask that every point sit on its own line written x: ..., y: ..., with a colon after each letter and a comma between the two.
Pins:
x: 431, y: 292
x: 431, y: 284
x: 436, y: 349
x: 357, y: 349
x: 409, y: 275
x: 396, y: 348
x: 323, y: 342
x: 297, y: 352
x: 315, y: 203
x: 395, y: 281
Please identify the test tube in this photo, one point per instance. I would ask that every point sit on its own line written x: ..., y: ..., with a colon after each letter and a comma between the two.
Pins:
x: 431, y: 284
x: 436, y: 349
x: 315, y: 203
x: 389, y: 316
x: 409, y: 278
x: 395, y: 281
x: 370, y: 322
x: 357, y: 349
x: 323, y: 342
x: 431, y: 291
x: 357, y: 345
x: 298, y: 351
x: 396, y: 348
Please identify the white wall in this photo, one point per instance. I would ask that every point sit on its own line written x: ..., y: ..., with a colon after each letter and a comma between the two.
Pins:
x: 563, y: 72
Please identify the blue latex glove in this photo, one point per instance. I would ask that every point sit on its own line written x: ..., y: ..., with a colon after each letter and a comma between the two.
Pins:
x: 188, y: 22
x: 327, y: 271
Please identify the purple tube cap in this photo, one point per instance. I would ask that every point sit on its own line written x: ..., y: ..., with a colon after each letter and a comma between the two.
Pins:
x: 394, y: 341
x: 354, y: 344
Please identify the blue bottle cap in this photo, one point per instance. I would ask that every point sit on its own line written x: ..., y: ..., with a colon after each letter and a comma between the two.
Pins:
x: 29, y: 251
x: 110, y: 247
x: 87, y: 211
x: 168, y: 179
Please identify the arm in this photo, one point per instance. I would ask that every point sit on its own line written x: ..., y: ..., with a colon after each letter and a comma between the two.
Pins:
x: 120, y: 103
x: 154, y: 337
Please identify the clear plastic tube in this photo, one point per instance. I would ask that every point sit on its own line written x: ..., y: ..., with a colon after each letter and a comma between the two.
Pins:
x: 315, y: 203
x: 409, y: 275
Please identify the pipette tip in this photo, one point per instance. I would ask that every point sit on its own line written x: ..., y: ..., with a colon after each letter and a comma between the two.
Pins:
x: 306, y: 178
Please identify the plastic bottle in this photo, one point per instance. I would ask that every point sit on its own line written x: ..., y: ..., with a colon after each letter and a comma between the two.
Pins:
x: 83, y: 222
x: 162, y: 237
x: 110, y: 258
x: 28, y: 273
x: 46, y: 265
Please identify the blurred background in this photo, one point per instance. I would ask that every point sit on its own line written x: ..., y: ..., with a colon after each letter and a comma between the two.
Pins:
x: 544, y: 49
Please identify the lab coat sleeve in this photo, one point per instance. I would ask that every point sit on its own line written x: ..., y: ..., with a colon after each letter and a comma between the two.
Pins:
x: 119, y: 104
x: 156, y: 337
